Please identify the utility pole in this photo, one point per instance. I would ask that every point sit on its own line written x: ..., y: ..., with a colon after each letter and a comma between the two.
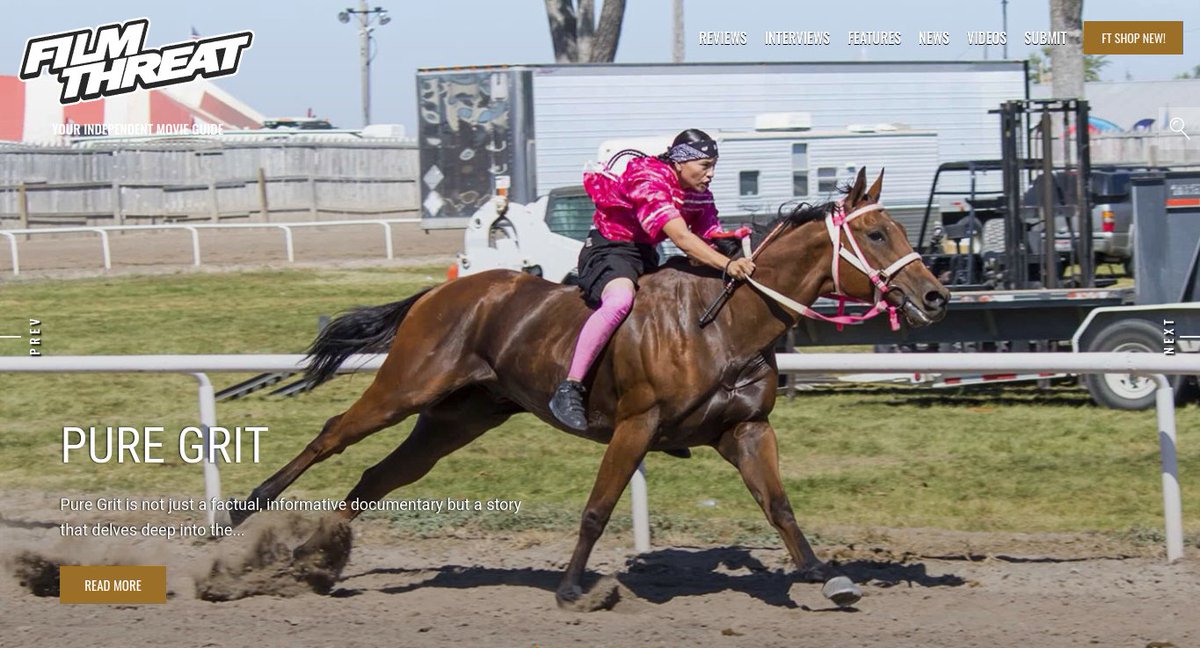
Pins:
x: 1004, y: 18
x: 366, y: 17
x: 364, y: 54
x: 677, y: 55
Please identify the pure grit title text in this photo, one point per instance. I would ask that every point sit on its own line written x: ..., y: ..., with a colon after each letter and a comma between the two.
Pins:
x: 127, y: 444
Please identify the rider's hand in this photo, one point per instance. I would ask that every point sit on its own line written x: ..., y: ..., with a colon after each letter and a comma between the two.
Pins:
x: 741, y: 268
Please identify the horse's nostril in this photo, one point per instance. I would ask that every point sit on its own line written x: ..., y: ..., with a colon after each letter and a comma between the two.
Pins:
x: 935, y: 299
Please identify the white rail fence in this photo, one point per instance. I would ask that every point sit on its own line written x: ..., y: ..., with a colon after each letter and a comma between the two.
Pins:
x: 284, y: 228
x: 1150, y: 365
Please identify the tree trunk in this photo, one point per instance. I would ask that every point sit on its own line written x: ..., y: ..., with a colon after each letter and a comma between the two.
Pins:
x: 577, y: 37
x: 1066, y: 62
x: 608, y: 32
x: 586, y: 29
x: 562, y: 30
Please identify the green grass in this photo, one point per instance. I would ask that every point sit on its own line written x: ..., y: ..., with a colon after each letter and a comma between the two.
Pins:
x: 1021, y: 459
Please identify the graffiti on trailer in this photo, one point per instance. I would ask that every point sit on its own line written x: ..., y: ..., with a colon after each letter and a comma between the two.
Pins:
x: 464, y: 140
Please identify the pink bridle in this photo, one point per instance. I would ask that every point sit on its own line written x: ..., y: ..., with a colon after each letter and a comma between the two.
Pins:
x: 837, y: 222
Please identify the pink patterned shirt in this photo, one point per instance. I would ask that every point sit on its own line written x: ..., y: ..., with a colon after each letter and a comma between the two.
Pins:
x: 636, y: 206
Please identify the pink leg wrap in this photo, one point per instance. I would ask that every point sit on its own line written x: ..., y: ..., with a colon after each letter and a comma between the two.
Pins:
x: 614, y: 306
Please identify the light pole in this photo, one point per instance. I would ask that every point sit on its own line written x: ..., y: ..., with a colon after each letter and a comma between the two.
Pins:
x: 366, y: 18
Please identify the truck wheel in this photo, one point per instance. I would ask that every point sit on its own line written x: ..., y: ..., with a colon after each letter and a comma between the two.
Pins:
x: 1126, y: 391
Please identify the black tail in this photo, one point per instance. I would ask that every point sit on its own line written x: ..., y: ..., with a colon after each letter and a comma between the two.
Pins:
x: 369, y: 329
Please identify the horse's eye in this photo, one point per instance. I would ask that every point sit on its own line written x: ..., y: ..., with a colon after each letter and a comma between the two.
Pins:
x: 876, y: 236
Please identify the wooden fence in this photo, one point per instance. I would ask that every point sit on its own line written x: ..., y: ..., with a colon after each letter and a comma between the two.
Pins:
x: 152, y: 182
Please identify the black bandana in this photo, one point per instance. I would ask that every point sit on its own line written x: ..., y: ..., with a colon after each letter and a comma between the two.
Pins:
x: 688, y: 151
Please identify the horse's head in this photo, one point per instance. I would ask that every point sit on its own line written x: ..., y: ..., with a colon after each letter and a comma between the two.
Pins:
x: 876, y: 258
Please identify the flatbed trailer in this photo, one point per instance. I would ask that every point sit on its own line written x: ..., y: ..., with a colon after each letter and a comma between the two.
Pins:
x: 1159, y: 314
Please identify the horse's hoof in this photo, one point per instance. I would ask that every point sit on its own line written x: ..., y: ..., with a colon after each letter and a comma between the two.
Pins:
x: 236, y: 514
x: 567, y: 597
x: 604, y: 595
x: 816, y: 574
x: 842, y: 591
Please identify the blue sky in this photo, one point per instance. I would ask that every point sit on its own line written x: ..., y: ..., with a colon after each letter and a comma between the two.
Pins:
x: 303, y: 57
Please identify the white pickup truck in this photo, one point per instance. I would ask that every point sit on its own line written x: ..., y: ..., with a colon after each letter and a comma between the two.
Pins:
x: 542, y: 238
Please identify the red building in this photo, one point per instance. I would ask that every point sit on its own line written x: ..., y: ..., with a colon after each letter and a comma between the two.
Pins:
x: 30, y: 110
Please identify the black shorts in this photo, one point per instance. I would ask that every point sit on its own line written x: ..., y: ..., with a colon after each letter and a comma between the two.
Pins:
x: 602, y: 260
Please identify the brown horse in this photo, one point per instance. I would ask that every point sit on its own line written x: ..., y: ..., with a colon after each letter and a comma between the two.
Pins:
x: 470, y: 353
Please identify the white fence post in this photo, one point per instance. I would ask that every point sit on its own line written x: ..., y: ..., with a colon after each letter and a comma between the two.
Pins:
x: 104, y: 247
x: 212, y: 474
x: 1172, y: 502
x: 12, y: 246
x: 195, y: 244
x: 287, y: 243
x: 387, y: 239
x: 641, y: 509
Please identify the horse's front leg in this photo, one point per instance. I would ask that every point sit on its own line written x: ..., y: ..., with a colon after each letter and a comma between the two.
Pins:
x: 630, y: 441
x: 751, y: 447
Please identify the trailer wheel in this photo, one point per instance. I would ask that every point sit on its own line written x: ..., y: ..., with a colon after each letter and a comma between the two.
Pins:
x: 1126, y: 391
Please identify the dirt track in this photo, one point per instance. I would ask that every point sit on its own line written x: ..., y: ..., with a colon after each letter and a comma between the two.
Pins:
x: 1046, y: 590
x: 498, y: 590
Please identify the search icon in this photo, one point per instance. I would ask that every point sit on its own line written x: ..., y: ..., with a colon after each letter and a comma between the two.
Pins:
x: 1177, y: 126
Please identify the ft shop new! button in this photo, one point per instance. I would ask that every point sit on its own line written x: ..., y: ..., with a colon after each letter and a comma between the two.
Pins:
x: 1133, y: 37
x: 112, y: 584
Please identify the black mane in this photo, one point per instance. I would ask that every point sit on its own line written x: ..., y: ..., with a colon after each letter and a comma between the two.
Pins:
x: 800, y: 214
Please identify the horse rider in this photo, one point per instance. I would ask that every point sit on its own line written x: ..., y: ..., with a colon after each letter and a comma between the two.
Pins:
x: 656, y: 198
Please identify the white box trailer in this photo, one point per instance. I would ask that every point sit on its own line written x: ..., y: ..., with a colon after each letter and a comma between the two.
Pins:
x: 539, y: 124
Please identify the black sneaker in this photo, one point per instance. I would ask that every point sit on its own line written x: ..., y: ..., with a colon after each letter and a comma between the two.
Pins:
x: 567, y: 405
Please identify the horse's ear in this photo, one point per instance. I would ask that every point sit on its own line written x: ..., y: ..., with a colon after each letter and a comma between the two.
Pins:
x: 856, y: 190
x: 876, y: 189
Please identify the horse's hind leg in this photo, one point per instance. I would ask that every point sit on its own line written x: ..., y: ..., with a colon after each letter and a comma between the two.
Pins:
x: 438, y: 432
x: 751, y: 447
x: 628, y: 446
x: 379, y: 407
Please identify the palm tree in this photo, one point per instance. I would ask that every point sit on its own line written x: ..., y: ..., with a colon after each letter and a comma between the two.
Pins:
x: 1067, y: 60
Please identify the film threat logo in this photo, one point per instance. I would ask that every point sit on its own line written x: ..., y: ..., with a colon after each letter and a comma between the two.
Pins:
x: 113, y: 59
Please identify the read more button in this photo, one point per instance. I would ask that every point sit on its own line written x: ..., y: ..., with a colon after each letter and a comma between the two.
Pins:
x: 112, y: 584
x: 1133, y: 37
